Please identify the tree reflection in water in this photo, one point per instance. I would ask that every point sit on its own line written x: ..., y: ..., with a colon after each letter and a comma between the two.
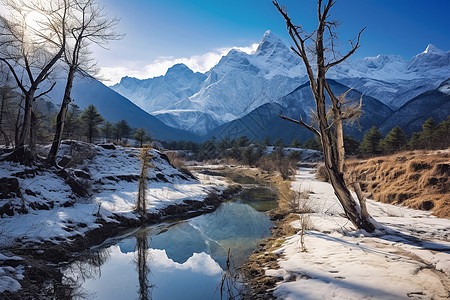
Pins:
x: 142, y: 254
x: 85, y: 268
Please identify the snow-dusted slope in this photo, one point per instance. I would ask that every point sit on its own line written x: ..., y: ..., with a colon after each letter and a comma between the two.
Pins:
x: 407, y: 258
x: 239, y: 83
x: 430, y: 104
x: 157, y: 93
x: 392, y: 79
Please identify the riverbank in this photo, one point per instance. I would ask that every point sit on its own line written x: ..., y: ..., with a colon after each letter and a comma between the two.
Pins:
x: 47, y: 215
x: 408, y: 257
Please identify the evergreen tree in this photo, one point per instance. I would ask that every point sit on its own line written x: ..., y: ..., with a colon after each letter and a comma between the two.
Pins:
x: 394, y: 141
x: 91, y: 119
x: 313, y: 143
x: 72, y: 124
x: 371, y: 142
x: 278, y: 143
x: 242, y: 141
x: 426, y: 136
x: 351, y: 145
x: 441, y: 136
x: 295, y: 143
x: 414, y: 142
x: 107, y: 130
x: 141, y: 135
x: 266, y: 141
x: 121, y: 130
x: 223, y: 145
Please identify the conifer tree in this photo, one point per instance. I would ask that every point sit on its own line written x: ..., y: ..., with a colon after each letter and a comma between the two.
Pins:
x: 426, y: 136
x: 278, y: 142
x: 72, y: 125
x: 107, y: 130
x: 371, y: 142
x: 91, y: 119
x: 141, y: 135
x: 351, y: 145
x: 394, y: 141
x: 414, y: 142
x: 441, y: 135
x: 122, y: 130
x: 295, y: 143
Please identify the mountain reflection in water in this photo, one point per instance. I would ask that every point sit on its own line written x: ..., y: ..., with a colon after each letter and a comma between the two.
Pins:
x: 182, y: 260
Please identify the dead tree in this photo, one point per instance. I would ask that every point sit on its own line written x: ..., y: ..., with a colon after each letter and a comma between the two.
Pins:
x: 87, y: 24
x: 329, y: 129
x: 30, y: 49
x: 141, y: 204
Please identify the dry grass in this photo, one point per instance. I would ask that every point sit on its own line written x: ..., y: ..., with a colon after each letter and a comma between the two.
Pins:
x: 322, y: 173
x: 179, y: 162
x: 285, y: 166
x: 418, y: 179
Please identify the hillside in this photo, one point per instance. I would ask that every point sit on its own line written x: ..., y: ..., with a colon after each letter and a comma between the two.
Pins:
x: 431, y: 104
x: 417, y: 179
x: 114, y: 107
x: 265, y: 121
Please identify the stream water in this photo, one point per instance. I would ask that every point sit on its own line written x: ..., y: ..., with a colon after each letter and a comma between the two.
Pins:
x: 179, y: 260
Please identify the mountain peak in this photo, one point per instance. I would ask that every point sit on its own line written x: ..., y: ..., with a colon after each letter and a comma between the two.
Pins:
x: 269, y: 36
x: 269, y: 42
x: 433, y: 49
x: 179, y: 68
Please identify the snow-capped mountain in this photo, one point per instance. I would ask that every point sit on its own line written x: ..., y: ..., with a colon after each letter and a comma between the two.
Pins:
x: 265, y: 121
x: 239, y: 83
x: 242, y: 82
x: 436, y: 104
x: 392, y: 79
x: 114, y: 107
x: 157, y: 93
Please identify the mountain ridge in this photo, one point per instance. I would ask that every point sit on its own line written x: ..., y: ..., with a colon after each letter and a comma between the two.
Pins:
x: 241, y: 82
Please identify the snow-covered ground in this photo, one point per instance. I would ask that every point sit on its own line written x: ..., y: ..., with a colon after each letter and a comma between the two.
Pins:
x: 407, y: 258
x: 113, y: 189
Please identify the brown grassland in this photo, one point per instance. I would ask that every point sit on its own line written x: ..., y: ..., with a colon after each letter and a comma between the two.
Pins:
x: 417, y: 179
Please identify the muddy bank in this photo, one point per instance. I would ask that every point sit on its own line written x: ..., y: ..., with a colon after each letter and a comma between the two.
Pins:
x: 261, y: 286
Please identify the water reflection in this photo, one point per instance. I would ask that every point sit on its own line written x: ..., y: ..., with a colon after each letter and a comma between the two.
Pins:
x: 142, y: 256
x: 182, y: 260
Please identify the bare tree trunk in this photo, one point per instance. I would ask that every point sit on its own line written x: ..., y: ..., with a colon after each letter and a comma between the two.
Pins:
x: 26, y: 120
x: 33, y: 128
x: 330, y: 133
x: 2, y: 112
x: 141, y: 205
x: 60, y: 119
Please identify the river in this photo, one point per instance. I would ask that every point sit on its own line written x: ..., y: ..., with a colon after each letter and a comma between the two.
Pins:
x: 186, y: 259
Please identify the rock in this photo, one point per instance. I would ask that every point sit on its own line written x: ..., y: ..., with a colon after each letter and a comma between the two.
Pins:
x: 6, y: 209
x: 78, y: 186
x: 65, y: 161
x: 108, y: 146
x: 9, y: 188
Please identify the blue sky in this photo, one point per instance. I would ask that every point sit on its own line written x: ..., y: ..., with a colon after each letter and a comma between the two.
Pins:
x: 197, y: 32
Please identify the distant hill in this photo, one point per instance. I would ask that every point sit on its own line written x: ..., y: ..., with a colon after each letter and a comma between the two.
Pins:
x: 114, y: 107
x: 434, y: 104
x: 265, y: 121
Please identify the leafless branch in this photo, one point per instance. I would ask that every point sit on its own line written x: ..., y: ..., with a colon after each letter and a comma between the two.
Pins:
x: 300, y: 122
x: 354, y: 47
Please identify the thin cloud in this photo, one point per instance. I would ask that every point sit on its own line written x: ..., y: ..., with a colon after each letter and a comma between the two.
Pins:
x: 197, y: 63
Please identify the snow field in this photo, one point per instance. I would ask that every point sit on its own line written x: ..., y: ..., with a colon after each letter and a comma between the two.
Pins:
x: 408, y: 257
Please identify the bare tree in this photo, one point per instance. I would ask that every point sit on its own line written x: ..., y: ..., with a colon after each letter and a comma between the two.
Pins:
x: 141, y: 202
x: 32, y: 41
x: 7, y: 97
x: 329, y: 129
x: 88, y: 24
